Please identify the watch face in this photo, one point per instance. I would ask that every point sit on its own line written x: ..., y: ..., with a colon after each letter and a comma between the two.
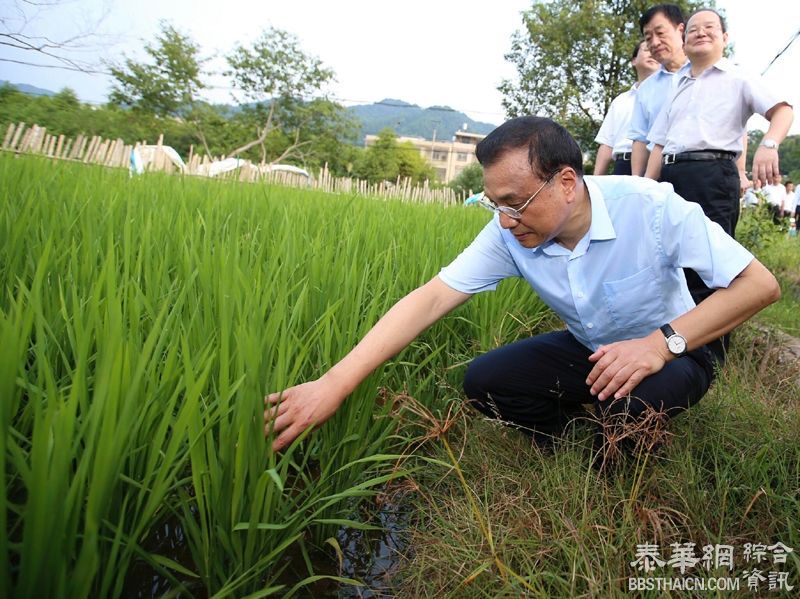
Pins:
x: 770, y: 143
x: 676, y: 344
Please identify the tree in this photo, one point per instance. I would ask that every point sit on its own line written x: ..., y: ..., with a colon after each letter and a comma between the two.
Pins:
x: 168, y: 84
x: 386, y: 160
x: 281, y: 79
x: 379, y: 162
x: 412, y: 165
x: 469, y: 180
x: 572, y: 59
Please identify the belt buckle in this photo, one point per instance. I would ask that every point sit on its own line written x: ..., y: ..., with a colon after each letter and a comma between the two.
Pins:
x: 669, y: 159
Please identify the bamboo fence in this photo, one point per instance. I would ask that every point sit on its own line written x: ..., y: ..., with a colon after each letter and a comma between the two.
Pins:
x: 23, y: 139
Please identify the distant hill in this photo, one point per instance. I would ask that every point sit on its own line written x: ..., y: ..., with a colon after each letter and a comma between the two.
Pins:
x: 405, y: 119
x: 29, y: 89
x: 412, y: 121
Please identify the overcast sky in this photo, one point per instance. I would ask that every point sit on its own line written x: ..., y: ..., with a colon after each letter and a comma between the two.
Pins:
x: 426, y: 52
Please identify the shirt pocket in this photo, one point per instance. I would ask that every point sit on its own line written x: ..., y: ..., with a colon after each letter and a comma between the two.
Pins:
x: 636, y: 301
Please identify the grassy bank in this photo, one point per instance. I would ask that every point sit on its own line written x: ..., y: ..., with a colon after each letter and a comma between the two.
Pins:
x: 519, y: 522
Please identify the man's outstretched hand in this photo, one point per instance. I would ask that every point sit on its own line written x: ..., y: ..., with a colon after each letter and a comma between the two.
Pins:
x: 288, y: 413
x: 619, y: 367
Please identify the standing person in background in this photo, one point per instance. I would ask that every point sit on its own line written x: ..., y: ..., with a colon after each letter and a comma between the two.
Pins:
x: 662, y: 28
x: 776, y: 198
x: 613, y: 134
x: 788, y: 204
x: 698, y: 134
x: 797, y: 211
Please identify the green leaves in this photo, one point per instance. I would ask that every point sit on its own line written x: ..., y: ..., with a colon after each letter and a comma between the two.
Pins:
x: 168, y: 84
x: 141, y: 323
x: 275, y: 67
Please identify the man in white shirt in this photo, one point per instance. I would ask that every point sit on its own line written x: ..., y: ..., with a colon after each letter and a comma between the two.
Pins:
x: 698, y: 134
x: 789, y: 204
x: 613, y: 135
x: 777, y: 200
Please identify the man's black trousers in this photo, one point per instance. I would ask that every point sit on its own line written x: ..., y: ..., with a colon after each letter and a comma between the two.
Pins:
x: 539, y: 384
x: 622, y: 166
x: 714, y: 184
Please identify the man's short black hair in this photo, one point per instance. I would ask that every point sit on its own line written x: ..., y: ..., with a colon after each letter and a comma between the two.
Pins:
x: 721, y: 18
x: 550, y: 146
x: 672, y: 12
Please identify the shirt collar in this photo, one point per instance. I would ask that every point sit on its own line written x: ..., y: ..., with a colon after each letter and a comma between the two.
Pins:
x: 600, y: 229
x: 662, y: 70
x: 723, y: 64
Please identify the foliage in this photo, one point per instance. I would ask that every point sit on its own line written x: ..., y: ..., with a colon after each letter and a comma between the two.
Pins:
x: 386, y: 160
x: 276, y: 68
x: 212, y: 129
x: 572, y: 59
x: 788, y: 154
x: 166, y: 85
x: 141, y: 323
x: 756, y: 230
x: 284, y: 81
x: 470, y: 180
x: 62, y: 114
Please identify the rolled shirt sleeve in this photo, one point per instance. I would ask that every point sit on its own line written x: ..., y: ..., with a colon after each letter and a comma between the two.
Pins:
x: 689, y: 239
x: 482, y: 265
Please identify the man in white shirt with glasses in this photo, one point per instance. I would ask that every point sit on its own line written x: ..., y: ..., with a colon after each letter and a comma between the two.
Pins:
x: 615, y: 145
x: 606, y: 254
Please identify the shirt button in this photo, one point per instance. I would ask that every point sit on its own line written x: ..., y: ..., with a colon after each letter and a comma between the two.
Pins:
x: 580, y: 294
x: 589, y: 325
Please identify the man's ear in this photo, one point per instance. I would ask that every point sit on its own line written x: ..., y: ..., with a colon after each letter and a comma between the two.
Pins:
x: 568, y: 180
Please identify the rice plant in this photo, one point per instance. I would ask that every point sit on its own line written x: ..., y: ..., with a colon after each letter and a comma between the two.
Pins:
x: 141, y: 323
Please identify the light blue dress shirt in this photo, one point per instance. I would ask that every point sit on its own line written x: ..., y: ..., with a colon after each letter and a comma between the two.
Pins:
x: 623, y: 280
x: 650, y: 98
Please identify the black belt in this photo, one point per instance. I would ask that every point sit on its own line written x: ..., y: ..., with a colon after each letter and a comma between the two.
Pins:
x: 626, y: 156
x: 698, y: 155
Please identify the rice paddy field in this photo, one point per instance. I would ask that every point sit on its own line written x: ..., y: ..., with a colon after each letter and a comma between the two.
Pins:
x: 143, y: 320
x: 141, y: 323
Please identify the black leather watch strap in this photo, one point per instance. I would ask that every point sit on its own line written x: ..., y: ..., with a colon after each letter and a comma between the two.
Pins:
x: 667, y: 330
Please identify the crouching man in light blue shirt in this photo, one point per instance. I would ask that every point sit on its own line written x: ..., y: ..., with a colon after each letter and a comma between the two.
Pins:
x: 606, y: 254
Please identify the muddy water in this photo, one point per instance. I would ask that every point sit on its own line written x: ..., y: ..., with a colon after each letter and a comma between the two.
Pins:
x: 371, y: 557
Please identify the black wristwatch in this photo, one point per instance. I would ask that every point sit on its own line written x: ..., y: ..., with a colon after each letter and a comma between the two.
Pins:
x: 676, y: 343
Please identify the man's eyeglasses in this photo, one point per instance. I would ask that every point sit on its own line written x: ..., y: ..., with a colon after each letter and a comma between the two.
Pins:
x: 482, y: 200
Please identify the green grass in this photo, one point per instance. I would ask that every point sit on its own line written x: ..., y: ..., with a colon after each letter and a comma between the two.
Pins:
x: 729, y: 474
x: 141, y: 323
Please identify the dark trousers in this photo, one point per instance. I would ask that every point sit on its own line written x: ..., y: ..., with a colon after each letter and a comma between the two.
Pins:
x: 776, y: 212
x: 539, y: 384
x: 622, y: 166
x: 714, y: 184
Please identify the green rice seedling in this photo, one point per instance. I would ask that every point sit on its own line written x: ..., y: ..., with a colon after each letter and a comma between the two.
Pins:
x: 142, y: 321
